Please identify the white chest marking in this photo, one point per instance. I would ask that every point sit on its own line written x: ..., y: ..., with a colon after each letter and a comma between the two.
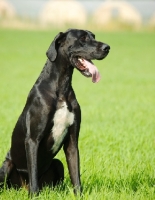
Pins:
x: 62, y: 120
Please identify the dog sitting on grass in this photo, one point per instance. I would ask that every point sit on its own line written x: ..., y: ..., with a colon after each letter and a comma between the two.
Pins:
x: 51, y: 117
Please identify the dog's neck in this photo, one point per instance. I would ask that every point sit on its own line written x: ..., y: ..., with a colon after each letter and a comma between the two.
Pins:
x: 59, y: 76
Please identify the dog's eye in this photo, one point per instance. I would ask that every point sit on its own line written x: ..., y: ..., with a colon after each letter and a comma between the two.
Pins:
x: 83, y: 38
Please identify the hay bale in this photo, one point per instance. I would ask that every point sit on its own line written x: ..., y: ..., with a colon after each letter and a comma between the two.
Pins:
x: 6, y: 10
x: 120, y: 10
x: 60, y: 12
x: 152, y: 20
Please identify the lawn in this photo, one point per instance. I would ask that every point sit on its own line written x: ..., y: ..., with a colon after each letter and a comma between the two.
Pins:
x: 117, y: 137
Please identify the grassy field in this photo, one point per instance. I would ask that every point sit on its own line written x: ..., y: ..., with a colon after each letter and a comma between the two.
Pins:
x: 117, y: 137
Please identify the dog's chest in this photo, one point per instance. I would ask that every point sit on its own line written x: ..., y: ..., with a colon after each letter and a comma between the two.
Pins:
x: 63, y: 118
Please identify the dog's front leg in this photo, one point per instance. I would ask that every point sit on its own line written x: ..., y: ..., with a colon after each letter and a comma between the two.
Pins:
x: 72, y: 157
x: 31, y: 154
x: 33, y: 137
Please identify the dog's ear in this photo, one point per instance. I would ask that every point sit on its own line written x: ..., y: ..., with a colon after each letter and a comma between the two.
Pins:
x: 52, y: 51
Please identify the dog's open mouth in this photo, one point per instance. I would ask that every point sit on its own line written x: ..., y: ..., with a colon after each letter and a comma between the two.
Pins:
x: 87, y: 68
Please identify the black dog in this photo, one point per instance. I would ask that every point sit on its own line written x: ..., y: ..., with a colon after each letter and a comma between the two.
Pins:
x: 51, y: 117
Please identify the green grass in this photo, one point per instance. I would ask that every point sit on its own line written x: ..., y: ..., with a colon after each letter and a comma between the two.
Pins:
x: 117, y: 137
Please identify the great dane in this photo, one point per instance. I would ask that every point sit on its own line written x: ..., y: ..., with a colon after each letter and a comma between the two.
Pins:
x: 51, y: 117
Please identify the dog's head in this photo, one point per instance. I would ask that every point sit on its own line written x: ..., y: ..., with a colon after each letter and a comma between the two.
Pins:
x: 79, y: 47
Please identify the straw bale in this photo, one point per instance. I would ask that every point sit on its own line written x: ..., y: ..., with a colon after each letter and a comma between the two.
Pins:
x: 6, y: 9
x: 61, y: 12
x: 119, y: 10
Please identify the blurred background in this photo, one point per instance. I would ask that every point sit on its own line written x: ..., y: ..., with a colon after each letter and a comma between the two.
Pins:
x: 117, y: 136
x: 97, y: 14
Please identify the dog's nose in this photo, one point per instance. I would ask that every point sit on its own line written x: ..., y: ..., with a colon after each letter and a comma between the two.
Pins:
x: 105, y: 47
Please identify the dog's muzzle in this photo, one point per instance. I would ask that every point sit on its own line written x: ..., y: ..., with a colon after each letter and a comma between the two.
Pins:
x: 86, y: 66
x: 105, y: 48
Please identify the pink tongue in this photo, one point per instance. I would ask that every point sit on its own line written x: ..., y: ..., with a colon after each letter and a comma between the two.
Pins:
x: 93, y: 70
